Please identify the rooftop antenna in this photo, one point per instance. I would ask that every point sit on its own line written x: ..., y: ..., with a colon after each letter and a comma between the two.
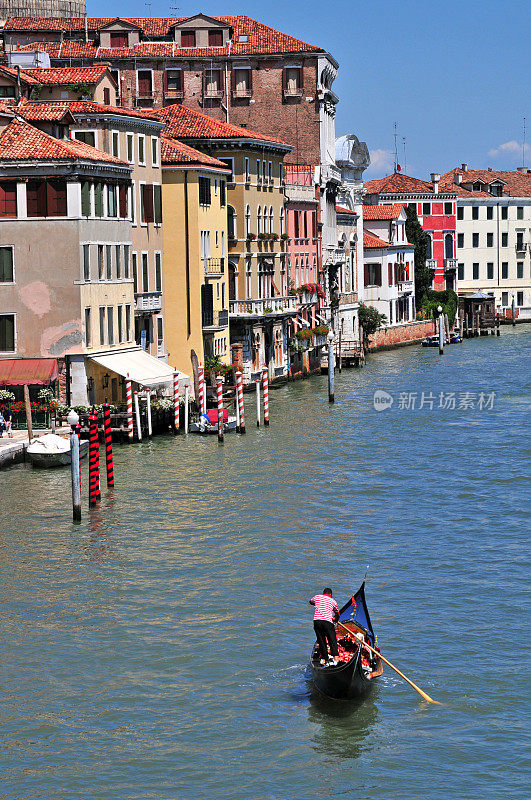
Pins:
x: 148, y: 6
x: 174, y: 9
x: 396, y: 146
x: 405, y: 159
x: 523, y: 146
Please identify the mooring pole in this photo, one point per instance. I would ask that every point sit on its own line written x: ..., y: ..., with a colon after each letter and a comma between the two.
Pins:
x: 186, y: 405
x: 129, y: 401
x: 258, y: 403
x: 497, y: 324
x: 94, y: 460
x: 28, y: 412
x: 176, y: 420
x: 108, y: 444
x: 441, y: 331
x: 73, y: 420
x: 339, y: 353
x: 512, y: 313
x: 265, y: 382
x: 219, y: 381
x: 137, y: 415
x: 239, y: 400
x: 331, y: 367
x: 148, y: 409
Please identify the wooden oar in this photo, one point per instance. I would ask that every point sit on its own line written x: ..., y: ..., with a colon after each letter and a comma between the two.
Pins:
x: 379, y: 655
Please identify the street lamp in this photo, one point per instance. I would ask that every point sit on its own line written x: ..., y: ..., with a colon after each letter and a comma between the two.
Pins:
x: 72, y: 419
x: 105, y: 380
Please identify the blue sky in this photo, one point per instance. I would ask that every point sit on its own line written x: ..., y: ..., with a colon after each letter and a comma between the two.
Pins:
x: 454, y: 76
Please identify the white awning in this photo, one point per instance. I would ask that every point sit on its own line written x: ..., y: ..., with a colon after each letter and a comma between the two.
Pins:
x: 140, y: 367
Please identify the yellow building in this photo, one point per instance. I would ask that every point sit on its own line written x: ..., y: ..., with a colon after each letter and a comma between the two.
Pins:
x: 195, y: 255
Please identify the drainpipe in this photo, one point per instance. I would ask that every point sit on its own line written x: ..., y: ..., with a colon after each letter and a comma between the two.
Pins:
x: 226, y: 108
x: 187, y: 249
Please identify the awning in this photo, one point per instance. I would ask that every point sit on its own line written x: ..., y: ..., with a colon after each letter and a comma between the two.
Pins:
x: 30, y: 371
x: 140, y: 367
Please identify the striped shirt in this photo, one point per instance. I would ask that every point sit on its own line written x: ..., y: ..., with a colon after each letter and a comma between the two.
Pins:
x: 324, y: 607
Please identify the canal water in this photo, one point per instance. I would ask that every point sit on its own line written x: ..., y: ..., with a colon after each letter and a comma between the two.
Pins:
x: 159, y: 649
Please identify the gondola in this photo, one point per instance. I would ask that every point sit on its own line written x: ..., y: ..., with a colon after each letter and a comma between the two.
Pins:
x: 357, y: 669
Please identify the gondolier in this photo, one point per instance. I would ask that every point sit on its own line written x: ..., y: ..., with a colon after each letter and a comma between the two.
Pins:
x: 326, y: 612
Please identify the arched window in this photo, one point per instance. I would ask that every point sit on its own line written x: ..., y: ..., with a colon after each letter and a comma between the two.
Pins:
x: 430, y: 249
x: 259, y: 220
x: 307, y: 269
x: 281, y: 222
x: 448, y: 246
x: 247, y: 220
x: 297, y: 276
x: 231, y: 223
x: 271, y: 220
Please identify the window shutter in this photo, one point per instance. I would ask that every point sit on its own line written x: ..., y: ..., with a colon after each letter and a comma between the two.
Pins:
x: 98, y: 199
x: 56, y: 198
x: 147, y: 197
x: 250, y: 80
x: 233, y: 80
x: 6, y: 265
x: 284, y: 79
x: 157, y: 199
x: 165, y: 81
x: 221, y: 81
x: 390, y: 274
x: 85, y: 199
x: 8, y: 199
x: 378, y: 276
x: 301, y: 74
x: 366, y: 274
x: 122, y: 198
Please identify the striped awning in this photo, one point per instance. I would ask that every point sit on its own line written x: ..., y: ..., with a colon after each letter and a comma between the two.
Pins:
x: 30, y: 371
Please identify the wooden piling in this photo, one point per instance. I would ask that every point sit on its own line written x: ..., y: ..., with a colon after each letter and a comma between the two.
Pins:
x: 76, y: 479
x: 186, y: 406
x: 219, y: 382
x: 258, y: 402
x: 176, y: 420
x: 108, y: 444
x: 331, y: 368
x: 28, y: 412
x: 148, y: 411
x: 137, y: 415
x: 265, y: 383
x: 239, y: 400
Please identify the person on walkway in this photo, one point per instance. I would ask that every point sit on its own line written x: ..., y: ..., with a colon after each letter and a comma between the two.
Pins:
x: 8, y: 419
x: 2, y: 424
x: 326, y: 611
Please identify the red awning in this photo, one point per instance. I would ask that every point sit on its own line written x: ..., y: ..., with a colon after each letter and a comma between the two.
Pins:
x: 31, y: 371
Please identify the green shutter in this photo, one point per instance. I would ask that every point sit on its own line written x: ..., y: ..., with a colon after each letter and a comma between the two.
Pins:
x: 7, y: 333
x: 98, y: 200
x: 6, y: 265
x: 85, y: 199
x: 157, y: 192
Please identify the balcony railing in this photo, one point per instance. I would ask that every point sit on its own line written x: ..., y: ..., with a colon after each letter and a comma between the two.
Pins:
x: 405, y: 286
x: 431, y: 263
x: 148, y: 302
x: 173, y: 94
x: 520, y: 247
x: 241, y: 93
x: 213, y: 318
x: 292, y: 91
x: 348, y: 298
x: 450, y: 264
x: 215, y: 94
x: 265, y: 307
x: 214, y: 266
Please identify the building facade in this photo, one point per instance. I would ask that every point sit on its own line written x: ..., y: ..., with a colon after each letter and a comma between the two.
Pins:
x: 494, y: 234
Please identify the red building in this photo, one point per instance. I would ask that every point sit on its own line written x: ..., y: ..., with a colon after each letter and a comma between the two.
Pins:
x: 436, y: 211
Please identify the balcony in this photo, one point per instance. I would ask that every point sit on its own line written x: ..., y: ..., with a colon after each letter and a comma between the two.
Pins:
x: 300, y: 194
x: 173, y: 94
x: 348, y: 298
x: 520, y: 248
x: 215, y: 320
x: 330, y: 174
x: 431, y: 263
x: 214, y: 266
x: 213, y: 94
x: 405, y: 287
x: 241, y: 93
x: 269, y: 306
x: 292, y: 91
x: 148, y: 302
x: 450, y: 264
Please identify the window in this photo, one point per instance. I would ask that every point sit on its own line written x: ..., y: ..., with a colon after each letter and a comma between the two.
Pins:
x: 281, y: 221
x: 448, y: 209
x: 98, y: 200
x: 490, y: 240
x: 519, y: 270
x: 246, y: 169
x: 519, y: 215
x: 89, y: 137
x: 270, y: 171
x: 118, y: 259
x: 490, y: 270
x: 426, y: 209
x: 448, y: 246
x: 7, y: 91
x: 160, y: 335
x: 264, y: 171
x: 119, y: 39
x: 144, y: 80
x: 222, y: 195
x: 142, y: 149
x: 215, y: 38
x: 281, y: 173
x: 504, y: 212
x: 112, y: 210
x: 187, y: 38
x: 204, y: 245
x: 174, y: 81
x: 292, y: 81
x: 110, y: 324
x: 115, y: 136
x: 519, y: 298
x: 460, y: 272
x: 130, y: 148
x: 133, y: 204
x: 271, y: 220
x: 8, y: 199
x: 85, y: 198
x: 108, y: 249
x: 154, y: 151
x: 128, y: 322
x: 204, y: 191
x: 145, y: 273
x: 135, y: 272
x: 230, y: 164
x: 460, y: 214
x: 490, y: 212
x: 123, y: 192
x: 88, y: 337
x: 475, y: 212
x: 6, y: 265
x: 157, y: 204
x: 460, y: 240
x: 7, y: 333
x: 102, y: 325
x: 296, y: 224
x: 46, y: 198
x: 116, y: 77
x: 373, y: 274
x: 505, y: 298
x: 475, y: 240
x: 101, y: 265
x: 241, y: 82
x: 120, y: 324
x: 247, y: 220
x: 520, y: 240
x: 213, y: 83
x: 146, y: 203
x: 259, y: 220
x: 86, y: 262
x: 158, y: 272
x: 504, y: 239
x: 475, y: 271
x: 505, y: 270
x: 126, y: 261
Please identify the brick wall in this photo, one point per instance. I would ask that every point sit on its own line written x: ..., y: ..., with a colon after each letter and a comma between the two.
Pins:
x: 401, y: 335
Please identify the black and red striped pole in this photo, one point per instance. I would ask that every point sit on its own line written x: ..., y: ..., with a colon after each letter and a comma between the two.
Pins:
x: 78, y: 432
x: 94, y: 460
x: 108, y: 443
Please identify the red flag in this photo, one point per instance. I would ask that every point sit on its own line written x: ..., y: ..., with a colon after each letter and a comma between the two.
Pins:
x: 398, y: 168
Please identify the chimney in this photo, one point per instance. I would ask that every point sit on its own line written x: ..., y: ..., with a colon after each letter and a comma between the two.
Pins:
x: 435, y: 178
x: 458, y: 178
x: 521, y: 169
x: 464, y: 167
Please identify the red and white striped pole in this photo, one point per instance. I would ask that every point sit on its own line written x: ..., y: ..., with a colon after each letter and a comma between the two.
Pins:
x: 94, y: 460
x: 265, y: 382
x: 220, y: 408
x: 176, y: 420
x: 200, y: 387
x: 129, y: 401
x: 108, y: 444
x: 239, y: 400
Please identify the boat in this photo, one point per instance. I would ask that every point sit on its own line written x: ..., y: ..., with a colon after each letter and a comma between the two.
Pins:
x: 208, y: 423
x: 431, y: 341
x: 455, y: 337
x: 52, y: 450
x: 357, y: 669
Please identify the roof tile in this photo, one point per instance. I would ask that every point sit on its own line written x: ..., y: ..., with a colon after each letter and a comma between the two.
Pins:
x: 517, y: 184
x: 383, y: 212
x: 65, y: 76
x: 177, y: 153
x: 372, y: 241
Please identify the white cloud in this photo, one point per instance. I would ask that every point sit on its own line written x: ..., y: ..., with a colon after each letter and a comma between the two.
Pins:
x: 382, y: 162
x: 509, y: 150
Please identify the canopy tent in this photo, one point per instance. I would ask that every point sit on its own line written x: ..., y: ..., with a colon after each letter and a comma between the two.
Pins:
x: 30, y: 371
x: 140, y: 367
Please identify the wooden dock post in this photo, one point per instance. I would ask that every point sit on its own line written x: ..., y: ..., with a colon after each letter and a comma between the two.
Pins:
x: 28, y: 412
x: 137, y: 416
x: 340, y: 353
x: 239, y: 400
x: 441, y: 331
x: 73, y: 420
x: 257, y: 402
x: 497, y: 324
x: 94, y: 460
x: 148, y: 410
x: 176, y: 420
x: 265, y: 382
x: 108, y: 444
x: 129, y: 400
x: 186, y: 406
x: 331, y: 367
x: 513, y: 320
x: 219, y: 382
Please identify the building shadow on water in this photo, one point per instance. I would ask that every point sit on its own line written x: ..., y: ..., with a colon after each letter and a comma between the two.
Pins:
x: 342, y: 728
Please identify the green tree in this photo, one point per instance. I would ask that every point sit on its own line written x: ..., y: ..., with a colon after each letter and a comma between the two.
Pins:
x: 421, y: 242
x: 370, y: 319
x: 447, y: 299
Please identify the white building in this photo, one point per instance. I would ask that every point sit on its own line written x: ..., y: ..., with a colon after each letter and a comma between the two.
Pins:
x: 388, y: 266
x: 494, y: 234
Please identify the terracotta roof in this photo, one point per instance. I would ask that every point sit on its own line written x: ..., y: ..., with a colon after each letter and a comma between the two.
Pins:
x: 65, y: 76
x: 517, y: 184
x: 383, y: 212
x: 12, y: 73
x: 38, y: 112
x: 177, y: 153
x: 343, y: 210
x: 91, y: 107
x: 185, y: 123
x: 397, y: 183
x: 20, y: 141
x: 372, y: 241
x: 260, y: 37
